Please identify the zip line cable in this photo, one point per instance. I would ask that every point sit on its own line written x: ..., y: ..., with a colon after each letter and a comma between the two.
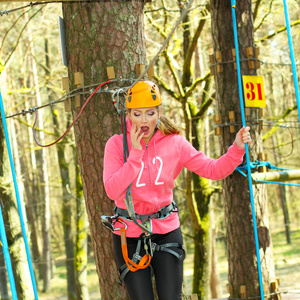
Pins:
x: 13, y: 171
x: 239, y: 77
x: 31, y: 4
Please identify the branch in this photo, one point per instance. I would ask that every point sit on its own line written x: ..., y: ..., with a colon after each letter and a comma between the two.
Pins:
x: 282, y: 118
x: 36, y: 129
x: 190, y: 52
x: 265, y: 16
x: 255, y: 11
x: 166, y: 88
x: 204, y: 108
x: 174, y: 73
x: 20, y: 35
x: 157, y: 27
x: 11, y: 27
x: 195, y: 84
x: 267, y: 37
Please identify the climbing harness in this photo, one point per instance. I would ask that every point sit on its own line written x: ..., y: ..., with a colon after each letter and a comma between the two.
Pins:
x: 161, y: 214
x: 139, y: 262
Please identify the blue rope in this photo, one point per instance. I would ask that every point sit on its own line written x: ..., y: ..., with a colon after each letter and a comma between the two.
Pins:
x: 288, y: 28
x: 277, y: 182
x: 258, y: 163
x: 7, y: 256
x: 233, y: 2
x: 18, y: 197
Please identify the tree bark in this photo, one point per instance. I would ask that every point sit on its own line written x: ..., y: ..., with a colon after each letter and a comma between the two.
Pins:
x: 240, y: 237
x: 3, y: 280
x: 13, y: 226
x: 101, y: 34
x: 81, y: 255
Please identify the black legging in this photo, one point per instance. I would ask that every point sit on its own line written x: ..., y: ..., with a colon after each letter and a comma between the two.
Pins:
x: 167, y: 268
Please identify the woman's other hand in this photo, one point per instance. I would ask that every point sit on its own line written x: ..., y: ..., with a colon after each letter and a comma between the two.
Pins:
x: 243, y: 137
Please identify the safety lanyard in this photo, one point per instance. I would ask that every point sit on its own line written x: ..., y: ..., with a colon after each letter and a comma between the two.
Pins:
x: 132, y: 266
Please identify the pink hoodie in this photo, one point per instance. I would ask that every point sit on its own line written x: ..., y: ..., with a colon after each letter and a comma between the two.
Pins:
x: 153, y: 171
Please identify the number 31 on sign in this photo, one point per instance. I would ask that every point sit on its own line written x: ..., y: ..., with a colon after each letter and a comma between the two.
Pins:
x: 254, y: 91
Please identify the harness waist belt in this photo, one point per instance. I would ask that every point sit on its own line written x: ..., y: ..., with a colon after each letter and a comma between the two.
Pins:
x: 161, y: 214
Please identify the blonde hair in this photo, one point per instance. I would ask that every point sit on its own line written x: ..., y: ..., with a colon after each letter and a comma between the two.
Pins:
x: 167, y: 126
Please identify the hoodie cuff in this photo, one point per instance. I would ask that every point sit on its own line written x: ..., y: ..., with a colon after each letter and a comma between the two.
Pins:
x: 136, y: 154
x: 237, y: 149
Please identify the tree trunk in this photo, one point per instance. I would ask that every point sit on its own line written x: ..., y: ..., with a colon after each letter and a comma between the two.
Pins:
x: 67, y: 196
x: 44, y: 183
x: 101, y: 34
x: 240, y: 237
x: 283, y: 195
x: 13, y: 227
x: 3, y: 280
x: 81, y: 255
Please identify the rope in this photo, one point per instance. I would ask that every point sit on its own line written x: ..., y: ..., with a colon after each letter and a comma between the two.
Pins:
x: 295, y: 76
x: 18, y: 197
x: 233, y: 3
x: 257, y: 164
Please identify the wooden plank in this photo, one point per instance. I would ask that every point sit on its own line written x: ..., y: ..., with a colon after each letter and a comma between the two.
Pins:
x: 66, y: 87
x: 79, y: 82
x: 139, y: 69
x: 110, y: 73
x: 280, y: 176
x: 151, y: 72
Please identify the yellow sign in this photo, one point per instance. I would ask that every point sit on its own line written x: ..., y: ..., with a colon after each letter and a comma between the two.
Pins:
x: 254, y: 91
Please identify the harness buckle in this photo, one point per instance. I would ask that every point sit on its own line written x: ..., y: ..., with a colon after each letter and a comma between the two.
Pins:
x: 110, y: 221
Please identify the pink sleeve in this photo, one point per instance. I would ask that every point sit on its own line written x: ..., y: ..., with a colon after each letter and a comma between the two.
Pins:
x: 214, y: 169
x: 117, y: 176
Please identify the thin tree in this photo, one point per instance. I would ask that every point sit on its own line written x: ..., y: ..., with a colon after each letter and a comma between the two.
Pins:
x: 65, y: 185
x: 12, y: 226
x: 81, y: 255
x: 3, y: 280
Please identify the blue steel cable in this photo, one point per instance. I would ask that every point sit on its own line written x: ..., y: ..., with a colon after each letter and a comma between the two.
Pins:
x: 246, y: 147
x: 288, y: 28
x: 13, y: 171
x: 3, y: 239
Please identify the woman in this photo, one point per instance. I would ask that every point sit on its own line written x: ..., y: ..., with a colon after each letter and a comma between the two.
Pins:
x: 157, y: 154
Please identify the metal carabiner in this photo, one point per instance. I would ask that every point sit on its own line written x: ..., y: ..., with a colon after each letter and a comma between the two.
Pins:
x: 110, y: 221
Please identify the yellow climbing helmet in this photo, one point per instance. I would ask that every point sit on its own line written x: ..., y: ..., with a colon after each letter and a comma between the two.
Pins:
x: 143, y: 94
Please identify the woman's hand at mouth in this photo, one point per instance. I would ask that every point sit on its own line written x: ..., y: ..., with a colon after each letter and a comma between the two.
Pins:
x: 136, y: 135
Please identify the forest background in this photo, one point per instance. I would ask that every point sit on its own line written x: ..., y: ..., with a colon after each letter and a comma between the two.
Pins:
x: 31, y: 75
